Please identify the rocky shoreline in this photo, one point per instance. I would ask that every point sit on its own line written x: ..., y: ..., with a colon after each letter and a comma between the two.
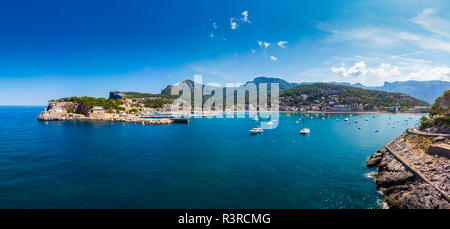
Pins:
x: 410, y: 176
x: 50, y: 115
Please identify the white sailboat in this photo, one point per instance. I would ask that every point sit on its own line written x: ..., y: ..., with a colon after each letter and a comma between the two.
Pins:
x: 256, y: 130
x: 305, y: 131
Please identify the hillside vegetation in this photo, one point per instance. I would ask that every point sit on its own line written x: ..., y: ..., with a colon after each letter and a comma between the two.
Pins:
x: 439, y: 119
x: 323, y: 94
x: 86, y: 103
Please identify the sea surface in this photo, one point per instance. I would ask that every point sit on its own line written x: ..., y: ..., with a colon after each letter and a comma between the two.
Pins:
x: 209, y: 163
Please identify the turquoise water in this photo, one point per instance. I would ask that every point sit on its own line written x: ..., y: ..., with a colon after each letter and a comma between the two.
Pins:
x: 209, y: 163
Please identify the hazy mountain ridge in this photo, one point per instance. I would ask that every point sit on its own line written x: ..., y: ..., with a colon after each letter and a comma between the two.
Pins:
x: 424, y: 90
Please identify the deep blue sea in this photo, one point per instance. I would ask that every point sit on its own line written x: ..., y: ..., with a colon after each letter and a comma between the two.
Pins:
x: 209, y: 163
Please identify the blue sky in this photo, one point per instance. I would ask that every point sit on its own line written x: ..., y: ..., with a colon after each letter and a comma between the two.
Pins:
x: 53, y: 49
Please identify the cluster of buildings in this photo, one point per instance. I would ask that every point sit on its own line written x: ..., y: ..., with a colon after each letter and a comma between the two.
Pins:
x: 420, y: 109
x: 330, y: 108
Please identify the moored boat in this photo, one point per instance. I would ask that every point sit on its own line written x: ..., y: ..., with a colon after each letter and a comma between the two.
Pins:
x: 256, y: 130
x: 305, y: 131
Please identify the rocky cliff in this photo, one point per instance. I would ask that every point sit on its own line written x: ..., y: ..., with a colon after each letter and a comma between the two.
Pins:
x: 410, y: 176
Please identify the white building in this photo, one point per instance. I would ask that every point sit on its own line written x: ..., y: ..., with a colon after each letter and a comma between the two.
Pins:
x: 97, y: 110
x: 342, y: 108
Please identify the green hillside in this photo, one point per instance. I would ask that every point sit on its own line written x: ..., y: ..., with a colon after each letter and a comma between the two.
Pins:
x: 323, y: 94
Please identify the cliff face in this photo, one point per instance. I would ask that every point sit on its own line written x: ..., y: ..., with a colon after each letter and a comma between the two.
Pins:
x: 412, y: 178
x: 56, y: 111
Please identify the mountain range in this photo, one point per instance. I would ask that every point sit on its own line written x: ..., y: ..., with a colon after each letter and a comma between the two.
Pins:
x: 424, y: 90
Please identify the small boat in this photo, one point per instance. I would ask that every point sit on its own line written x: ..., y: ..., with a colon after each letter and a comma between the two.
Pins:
x: 288, y: 115
x: 337, y: 119
x: 366, y: 119
x: 346, y: 119
x: 270, y: 123
x: 256, y: 118
x: 351, y: 115
x: 323, y: 117
x: 356, y: 121
x: 256, y: 130
x: 297, y: 122
x: 305, y: 131
x: 376, y: 130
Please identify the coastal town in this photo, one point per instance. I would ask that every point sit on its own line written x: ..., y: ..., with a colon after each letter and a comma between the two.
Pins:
x: 150, y: 108
x: 330, y: 107
x: 137, y: 110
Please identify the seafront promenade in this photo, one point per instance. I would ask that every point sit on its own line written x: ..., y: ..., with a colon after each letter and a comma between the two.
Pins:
x: 426, y: 134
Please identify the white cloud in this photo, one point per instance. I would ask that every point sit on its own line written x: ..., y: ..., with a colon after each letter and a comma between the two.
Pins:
x: 273, y: 58
x: 233, y: 24
x: 263, y: 44
x: 235, y: 21
x: 427, y: 73
x: 385, y: 70
x: 245, y: 14
x: 359, y: 69
x: 282, y: 44
x: 404, y: 70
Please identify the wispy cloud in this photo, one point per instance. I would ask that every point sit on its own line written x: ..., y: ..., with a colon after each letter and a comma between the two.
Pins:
x: 273, y: 58
x: 434, y: 24
x: 282, y: 44
x: 436, y: 36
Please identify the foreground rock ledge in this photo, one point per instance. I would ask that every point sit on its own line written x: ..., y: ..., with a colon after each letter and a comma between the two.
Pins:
x: 402, y: 188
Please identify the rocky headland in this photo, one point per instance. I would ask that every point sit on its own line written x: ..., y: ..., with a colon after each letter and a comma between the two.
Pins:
x: 70, y: 110
x: 414, y: 171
